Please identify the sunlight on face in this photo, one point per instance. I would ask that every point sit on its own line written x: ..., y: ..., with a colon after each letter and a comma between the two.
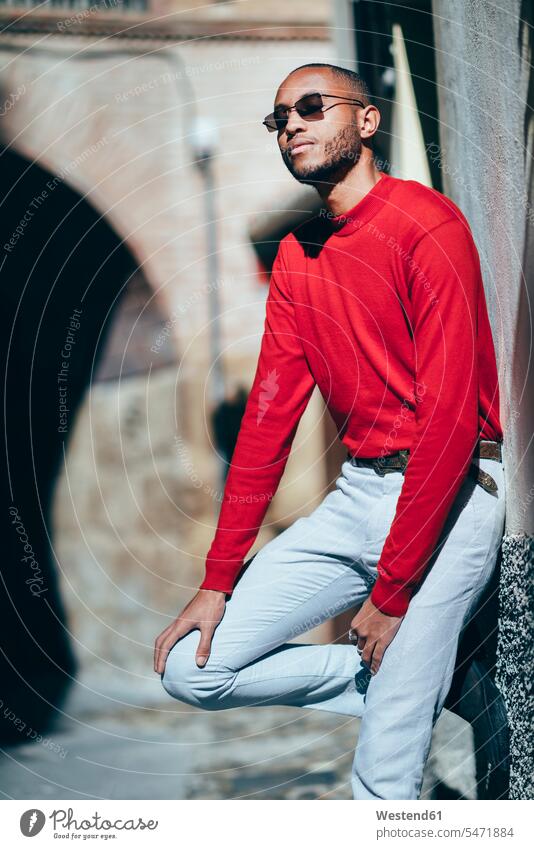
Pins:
x: 317, y: 148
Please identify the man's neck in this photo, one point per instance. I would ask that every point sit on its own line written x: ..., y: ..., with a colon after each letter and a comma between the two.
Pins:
x: 350, y: 189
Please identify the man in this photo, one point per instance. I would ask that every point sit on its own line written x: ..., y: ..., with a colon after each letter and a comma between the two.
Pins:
x: 379, y: 302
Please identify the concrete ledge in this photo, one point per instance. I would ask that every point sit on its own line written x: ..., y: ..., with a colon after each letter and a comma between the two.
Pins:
x: 515, y: 660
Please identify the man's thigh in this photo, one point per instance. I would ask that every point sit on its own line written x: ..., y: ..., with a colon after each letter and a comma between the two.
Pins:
x: 301, y: 578
x: 408, y: 691
x: 464, y: 558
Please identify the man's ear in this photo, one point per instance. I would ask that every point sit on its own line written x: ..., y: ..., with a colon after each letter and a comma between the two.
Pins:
x: 371, y: 123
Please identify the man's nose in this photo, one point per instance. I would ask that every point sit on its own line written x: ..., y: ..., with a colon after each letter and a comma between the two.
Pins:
x: 295, y: 122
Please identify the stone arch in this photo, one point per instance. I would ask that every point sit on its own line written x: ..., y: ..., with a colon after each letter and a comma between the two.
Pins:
x: 69, y: 285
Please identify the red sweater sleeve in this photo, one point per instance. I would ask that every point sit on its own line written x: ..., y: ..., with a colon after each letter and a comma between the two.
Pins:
x: 282, y: 387
x: 445, y: 283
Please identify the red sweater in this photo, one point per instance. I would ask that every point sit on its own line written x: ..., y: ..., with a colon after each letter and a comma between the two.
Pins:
x: 383, y: 308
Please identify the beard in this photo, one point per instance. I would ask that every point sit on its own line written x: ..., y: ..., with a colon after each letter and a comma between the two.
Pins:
x: 341, y: 153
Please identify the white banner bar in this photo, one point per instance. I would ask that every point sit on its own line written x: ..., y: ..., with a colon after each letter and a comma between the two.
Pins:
x: 252, y: 824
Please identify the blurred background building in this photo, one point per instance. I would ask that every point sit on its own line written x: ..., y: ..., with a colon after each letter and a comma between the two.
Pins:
x: 143, y: 203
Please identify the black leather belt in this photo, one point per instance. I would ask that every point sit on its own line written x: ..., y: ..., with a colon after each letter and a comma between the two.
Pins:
x: 485, y: 448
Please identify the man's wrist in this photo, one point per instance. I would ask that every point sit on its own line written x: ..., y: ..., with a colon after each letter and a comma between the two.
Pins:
x: 391, y: 599
x: 221, y: 574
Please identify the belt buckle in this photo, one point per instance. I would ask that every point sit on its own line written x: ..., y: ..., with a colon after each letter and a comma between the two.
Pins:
x: 380, y: 463
x: 378, y: 466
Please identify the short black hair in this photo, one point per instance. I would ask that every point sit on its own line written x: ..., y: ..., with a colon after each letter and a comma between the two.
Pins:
x: 352, y: 79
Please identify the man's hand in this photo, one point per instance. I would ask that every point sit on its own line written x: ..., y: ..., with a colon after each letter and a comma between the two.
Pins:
x: 204, y: 611
x: 375, y: 632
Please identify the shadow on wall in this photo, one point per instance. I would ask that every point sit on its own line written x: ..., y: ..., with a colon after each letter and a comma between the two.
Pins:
x: 515, y: 670
x: 64, y: 271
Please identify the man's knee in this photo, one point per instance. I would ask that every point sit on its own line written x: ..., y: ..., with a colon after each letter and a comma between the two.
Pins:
x: 203, y: 687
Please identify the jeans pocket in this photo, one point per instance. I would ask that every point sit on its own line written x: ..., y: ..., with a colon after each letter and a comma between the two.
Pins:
x: 489, y: 507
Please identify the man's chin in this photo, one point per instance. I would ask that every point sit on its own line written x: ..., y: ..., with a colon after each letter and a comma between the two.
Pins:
x: 311, y: 177
x: 306, y: 180
x: 304, y: 175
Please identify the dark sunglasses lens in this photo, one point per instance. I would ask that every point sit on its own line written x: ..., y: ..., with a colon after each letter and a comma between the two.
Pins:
x: 309, y: 104
x: 275, y: 122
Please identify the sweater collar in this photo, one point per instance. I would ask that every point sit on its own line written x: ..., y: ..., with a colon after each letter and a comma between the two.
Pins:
x: 348, y: 222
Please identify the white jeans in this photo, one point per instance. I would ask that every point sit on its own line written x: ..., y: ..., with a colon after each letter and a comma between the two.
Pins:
x: 326, y: 563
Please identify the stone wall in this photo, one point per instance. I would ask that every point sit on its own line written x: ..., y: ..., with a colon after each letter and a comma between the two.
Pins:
x: 485, y: 84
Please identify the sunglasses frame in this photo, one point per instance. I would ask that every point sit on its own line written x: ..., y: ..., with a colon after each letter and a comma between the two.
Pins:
x: 322, y: 108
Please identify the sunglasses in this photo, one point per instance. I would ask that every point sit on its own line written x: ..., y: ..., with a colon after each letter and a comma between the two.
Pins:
x: 307, y: 107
